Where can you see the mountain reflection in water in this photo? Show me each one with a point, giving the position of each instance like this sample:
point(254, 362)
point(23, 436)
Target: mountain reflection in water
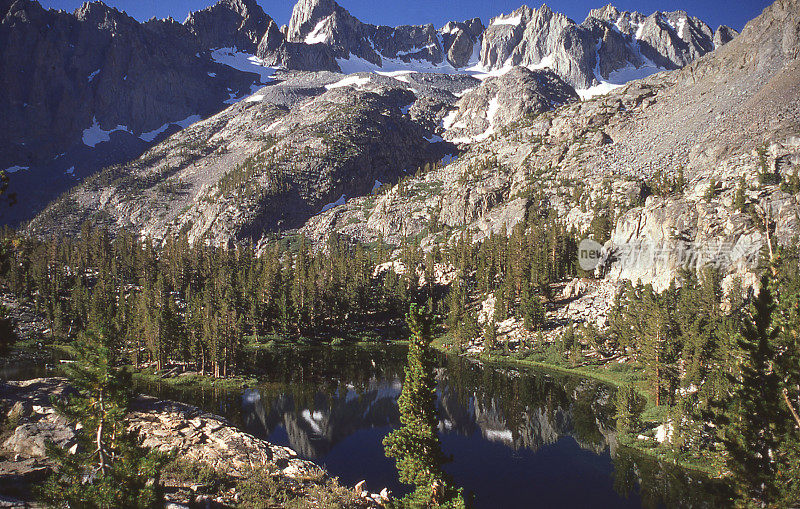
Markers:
point(517, 439)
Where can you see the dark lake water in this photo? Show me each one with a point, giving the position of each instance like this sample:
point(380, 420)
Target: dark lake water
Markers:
point(515, 438)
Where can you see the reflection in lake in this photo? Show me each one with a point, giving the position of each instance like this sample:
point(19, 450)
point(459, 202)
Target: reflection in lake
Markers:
point(516, 439)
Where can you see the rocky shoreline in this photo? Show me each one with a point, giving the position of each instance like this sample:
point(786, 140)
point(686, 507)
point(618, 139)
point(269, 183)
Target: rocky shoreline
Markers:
point(198, 438)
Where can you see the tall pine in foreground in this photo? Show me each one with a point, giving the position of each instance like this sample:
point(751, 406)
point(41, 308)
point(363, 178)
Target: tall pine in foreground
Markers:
point(758, 431)
point(415, 446)
point(109, 469)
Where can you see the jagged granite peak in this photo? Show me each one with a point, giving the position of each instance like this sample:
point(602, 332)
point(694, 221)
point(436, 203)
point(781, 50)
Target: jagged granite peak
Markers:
point(326, 22)
point(230, 23)
point(274, 50)
point(103, 16)
point(608, 40)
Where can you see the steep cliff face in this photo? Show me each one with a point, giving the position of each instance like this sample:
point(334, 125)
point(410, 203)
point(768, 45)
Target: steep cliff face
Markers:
point(98, 66)
point(229, 24)
point(81, 91)
point(326, 22)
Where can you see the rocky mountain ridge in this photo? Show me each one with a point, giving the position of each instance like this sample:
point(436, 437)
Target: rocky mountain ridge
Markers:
point(608, 46)
point(106, 87)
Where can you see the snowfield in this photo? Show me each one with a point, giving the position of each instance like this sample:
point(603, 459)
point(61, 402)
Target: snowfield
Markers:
point(243, 62)
point(356, 81)
point(507, 20)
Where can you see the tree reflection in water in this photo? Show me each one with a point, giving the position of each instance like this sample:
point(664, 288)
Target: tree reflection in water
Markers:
point(661, 484)
point(415, 446)
point(335, 404)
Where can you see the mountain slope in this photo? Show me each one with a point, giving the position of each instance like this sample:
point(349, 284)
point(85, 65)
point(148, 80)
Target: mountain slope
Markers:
point(732, 113)
point(297, 147)
point(84, 90)
point(97, 88)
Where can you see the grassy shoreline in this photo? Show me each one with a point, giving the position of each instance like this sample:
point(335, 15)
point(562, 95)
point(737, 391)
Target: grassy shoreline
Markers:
point(615, 379)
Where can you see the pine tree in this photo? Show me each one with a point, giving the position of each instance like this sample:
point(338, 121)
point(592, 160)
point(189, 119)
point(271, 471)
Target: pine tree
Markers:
point(109, 468)
point(751, 427)
point(533, 313)
point(490, 336)
point(740, 197)
point(415, 446)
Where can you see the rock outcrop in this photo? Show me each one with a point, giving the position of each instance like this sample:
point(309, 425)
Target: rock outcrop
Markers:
point(196, 436)
point(503, 100)
point(460, 40)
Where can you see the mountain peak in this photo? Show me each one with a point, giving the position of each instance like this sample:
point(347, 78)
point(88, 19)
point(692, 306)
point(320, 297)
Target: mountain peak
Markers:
point(98, 13)
point(229, 23)
point(307, 14)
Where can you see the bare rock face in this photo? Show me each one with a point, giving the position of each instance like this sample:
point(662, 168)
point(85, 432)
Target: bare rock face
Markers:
point(505, 99)
point(524, 37)
point(724, 35)
point(326, 22)
point(274, 50)
point(460, 41)
point(608, 40)
point(97, 63)
point(229, 24)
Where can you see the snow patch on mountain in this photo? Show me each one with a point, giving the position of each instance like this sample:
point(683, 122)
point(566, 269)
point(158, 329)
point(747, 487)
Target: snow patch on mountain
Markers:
point(186, 122)
point(356, 81)
point(449, 119)
point(397, 68)
point(244, 62)
point(514, 20)
point(319, 35)
point(95, 134)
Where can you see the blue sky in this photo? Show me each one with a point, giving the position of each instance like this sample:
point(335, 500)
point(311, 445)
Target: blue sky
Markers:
point(734, 13)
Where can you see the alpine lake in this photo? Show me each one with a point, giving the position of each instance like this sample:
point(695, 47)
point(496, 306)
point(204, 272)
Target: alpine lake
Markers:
point(513, 437)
